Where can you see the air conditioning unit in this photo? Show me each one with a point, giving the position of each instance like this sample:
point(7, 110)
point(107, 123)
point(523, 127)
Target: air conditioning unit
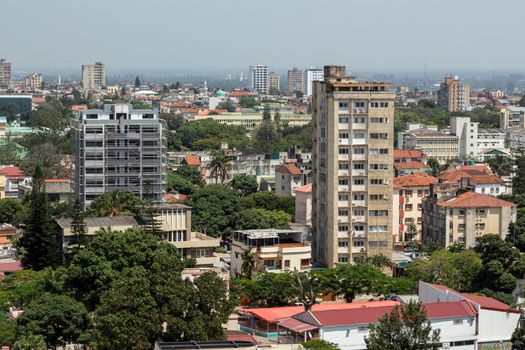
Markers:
point(363, 250)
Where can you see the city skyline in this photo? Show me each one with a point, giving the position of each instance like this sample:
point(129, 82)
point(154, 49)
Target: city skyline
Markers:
point(446, 38)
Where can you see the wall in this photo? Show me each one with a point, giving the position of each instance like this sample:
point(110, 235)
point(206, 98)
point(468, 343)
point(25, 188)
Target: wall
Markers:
point(496, 325)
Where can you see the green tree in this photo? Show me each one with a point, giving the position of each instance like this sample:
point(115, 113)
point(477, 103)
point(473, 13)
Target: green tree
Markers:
point(435, 167)
point(244, 184)
point(59, 319)
point(248, 219)
point(9, 209)
point(30, 342)
point(116, 203)
point(248, 263)
point(405, 328)
point(248, 102)
point(269, 289)
point(192, 174)
point(208, 134)
point(522, 101)
point(179, 183)
point(411, 232)
point(38, 246)
point(78, 226)
point(269, 201)
point(220, 165)
point(150, 212)
point(319, 344)
point(227, 105)
point(494, 277)
point(518, 181)
point(7, 331)
point(274, 218)
point(518, 339)
point(492, 247)
point(137, 82)
point(500, 165)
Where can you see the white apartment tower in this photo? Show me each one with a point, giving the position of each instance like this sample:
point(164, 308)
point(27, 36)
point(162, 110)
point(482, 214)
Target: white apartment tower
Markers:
point(93, 76)
point(118, 147)
point(352, 168)
point(259, 78)
point(310, 75)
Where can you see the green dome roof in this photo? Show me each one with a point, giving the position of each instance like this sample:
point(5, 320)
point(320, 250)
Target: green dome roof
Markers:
point(220, 93)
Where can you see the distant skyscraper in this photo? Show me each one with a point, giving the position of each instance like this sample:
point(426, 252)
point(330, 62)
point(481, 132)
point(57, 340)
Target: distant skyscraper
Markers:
point(118, 147)
point(454, 95)
point(274, 83)
point(310, 75)
point(5, 73)
point(259, 78)
point(352, 160)
point(93, 76)
point(295, 81)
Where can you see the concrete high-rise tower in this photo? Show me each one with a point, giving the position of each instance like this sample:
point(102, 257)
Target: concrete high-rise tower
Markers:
point(5, 73)
point(93, 76)
point(295, 81)
point(352, 168)
point(259, 78)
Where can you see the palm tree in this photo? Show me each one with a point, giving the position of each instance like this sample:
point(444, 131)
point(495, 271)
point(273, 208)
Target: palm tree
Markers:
point(116, 203)
point(248, 262)
point(219, 166)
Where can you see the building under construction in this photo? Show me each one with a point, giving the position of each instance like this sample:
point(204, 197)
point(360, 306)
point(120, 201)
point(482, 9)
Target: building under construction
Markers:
point(118, 147)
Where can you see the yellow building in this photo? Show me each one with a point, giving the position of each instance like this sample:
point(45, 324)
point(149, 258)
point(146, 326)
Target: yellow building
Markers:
point(250, 121)
point(352, 161)
point(433, 143)
point(460, 219)
point(454, 95)
point(2, 186)
point(34, 80)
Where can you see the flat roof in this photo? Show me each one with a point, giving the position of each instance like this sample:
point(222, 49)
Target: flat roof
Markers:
point(266, 233)
point(221, 344)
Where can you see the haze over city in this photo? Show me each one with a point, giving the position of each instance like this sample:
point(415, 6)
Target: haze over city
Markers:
point(209, 35)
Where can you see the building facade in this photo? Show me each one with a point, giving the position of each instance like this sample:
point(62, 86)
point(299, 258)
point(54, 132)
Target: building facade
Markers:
point(287, 178)
point(352, 166)
point(433, 143)
point(274, 83)
point(512, 117)
point(5, 73)
point(118, 147)
point(460, 219)
point(34, 80)
point(310, 75)
point(93, 76)
point(454, 95)
point(259, 78)
point(295, 81)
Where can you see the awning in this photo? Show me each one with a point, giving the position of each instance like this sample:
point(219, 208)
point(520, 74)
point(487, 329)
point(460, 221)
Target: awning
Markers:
point(296, 325)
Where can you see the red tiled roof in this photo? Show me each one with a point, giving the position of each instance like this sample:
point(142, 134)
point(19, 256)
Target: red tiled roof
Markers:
point(414, 180)
point(273, 314)
point(192, 160)
point(487, 179)
point(411, 165)
point(473, 199)
point(238, 93)
point(12, 171)
point(38, 99)
point(304, 189)
point(173, 198)
point(405, 153)
point(289, 169)
point(10, 266)
point(488, 303)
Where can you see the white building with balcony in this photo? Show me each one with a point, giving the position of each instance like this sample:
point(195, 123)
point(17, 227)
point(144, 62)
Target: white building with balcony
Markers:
point(274, 250)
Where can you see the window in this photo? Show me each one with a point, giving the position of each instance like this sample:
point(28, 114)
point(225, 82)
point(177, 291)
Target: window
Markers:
point(419, 207)
point(343, 259)
point(343, 182)
point(343, 197)
point(374, 104)
point(343, 135)
point(461, 212)
point(343, 150)
point(378, 228)
point(408, 193)
point(287, 263)
point(378, 166)
point(378, 212)
point(359, 120)
point(343, 166)
point(378, 244)
point(359, 135)
point(343, 120)
point(358, 197)
point(480, 211)
point(358, 243)
point(379, 136)
point(408, 207)
point(458, 322)
point(359, 181)
point(358, 212)
point(461, 227)
point(377, 151)
point(359, 166)
point(383, 104)
point(343, 228)
point(343, 212)
point(343, 244)
point(359, 150)
point(480, 226)
point(343, 105)
point(420, 193)
point(359, 227)
point(359, 104)
point(376, 181)
point(378, 197)
point(408, 221)
point(379, 120)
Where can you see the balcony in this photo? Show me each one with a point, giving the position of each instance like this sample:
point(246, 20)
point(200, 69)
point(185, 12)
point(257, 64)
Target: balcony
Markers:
point(344, 126)
point(344, 142)
point(360, 110)
point(94, 163)
point(343, 234)
point(359, 141)
point(343, 188)
point(343, 204)
point(343, 173)
point(358, 188)
point(207, 261)
point(342, 250)
point(343, 157)
point(358, 250)
point(359, 203)
point(358, 218)
point(92, 137)
point(359, 126)
point(358, 172)
point(359, 157)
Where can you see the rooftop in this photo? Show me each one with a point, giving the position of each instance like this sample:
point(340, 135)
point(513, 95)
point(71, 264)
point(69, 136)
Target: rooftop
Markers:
point(405, 153)
point(414, 180)
point(291, 169)
point(410, 165)
point(265, 233)
point(474, 200)
point(305, 189)
point(430, 133)
point(192, 160)
point(102, 221)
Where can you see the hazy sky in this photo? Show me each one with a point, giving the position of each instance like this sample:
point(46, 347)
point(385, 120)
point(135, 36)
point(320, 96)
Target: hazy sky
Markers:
point(201, 35)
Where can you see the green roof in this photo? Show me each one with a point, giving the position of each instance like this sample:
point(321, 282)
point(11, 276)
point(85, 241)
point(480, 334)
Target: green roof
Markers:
point(220, 93)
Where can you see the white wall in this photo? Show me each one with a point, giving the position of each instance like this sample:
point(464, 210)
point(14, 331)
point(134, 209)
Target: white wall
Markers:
point(496, 325)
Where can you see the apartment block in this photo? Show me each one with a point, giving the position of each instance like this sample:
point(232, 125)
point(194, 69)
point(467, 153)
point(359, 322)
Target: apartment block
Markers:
point(93, 76)
point(274, 83)
point(310, 75)
point(512, 117)
point(352, 166)
point(462, 218)
point(5, 73)
point(34, 81)
point(435, 144)
point(118, 147)
point(259, 78)
point(295, 81)
point(454, 95)
point(274, 250)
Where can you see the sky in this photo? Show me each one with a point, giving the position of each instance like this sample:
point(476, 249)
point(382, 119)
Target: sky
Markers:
point(215, 35)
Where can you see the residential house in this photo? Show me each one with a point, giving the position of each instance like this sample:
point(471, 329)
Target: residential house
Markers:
point(14, 176)
point(58, 190)
point(287, 178)
point(409, 161)
point(478, 178)
point(7, 233)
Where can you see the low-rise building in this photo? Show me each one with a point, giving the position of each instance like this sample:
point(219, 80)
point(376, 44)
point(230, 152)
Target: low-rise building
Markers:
point(58, 190)
point(287, 178)
point(303, 205)
point(512, 117)
point(2, 186)
point(14, 176)
point(478, 178)
point(516, 139)
point(273, 250)
point(409, 161)
point(409, 191)
point(433, 143)
point(460, 219)
point(7, 233)
point(491, 142)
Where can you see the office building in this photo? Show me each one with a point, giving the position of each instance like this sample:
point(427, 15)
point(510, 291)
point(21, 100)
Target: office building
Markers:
point(435, 144)
point(259, 78)
point(310, 75)
point(118, 147)
point(93, 76)
point(5, 73)
point(295, 81)
point(460, 219)
point(512, 117)
point(34, 81)
point(24, 103)
point(274, 83)
point(352, 168)
point(454, 95)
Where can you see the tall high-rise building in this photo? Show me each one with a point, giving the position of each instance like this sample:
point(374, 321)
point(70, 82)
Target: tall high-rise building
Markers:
point(454, 95)
point(352, 168)
point(34, 80)
point(259, 78)
point(274, 83)
point(295, 81)
point(310, 75)
point(118, 147)
point(93, 76)
point(5, 73)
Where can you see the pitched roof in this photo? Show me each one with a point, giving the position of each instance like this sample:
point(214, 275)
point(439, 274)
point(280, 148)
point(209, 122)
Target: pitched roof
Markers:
point(488, 303)
point(473, 199)
point(57, 180)
point(410, 165)
point(304, 189)
point(487, 179)
point(102, 221)
point(12, 171)
point(331, 318)
point(10, 266)
point(192, 160)
point(414, 180)
point(408, 153)
point(291, 169)
point(449, 309)
point(455, 175)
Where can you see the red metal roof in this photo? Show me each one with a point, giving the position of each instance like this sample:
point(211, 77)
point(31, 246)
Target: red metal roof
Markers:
point(449, 309)
point(296, 325)
point(362, 315)
point(10, 266)
point(241, 337)
point(488, 303)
